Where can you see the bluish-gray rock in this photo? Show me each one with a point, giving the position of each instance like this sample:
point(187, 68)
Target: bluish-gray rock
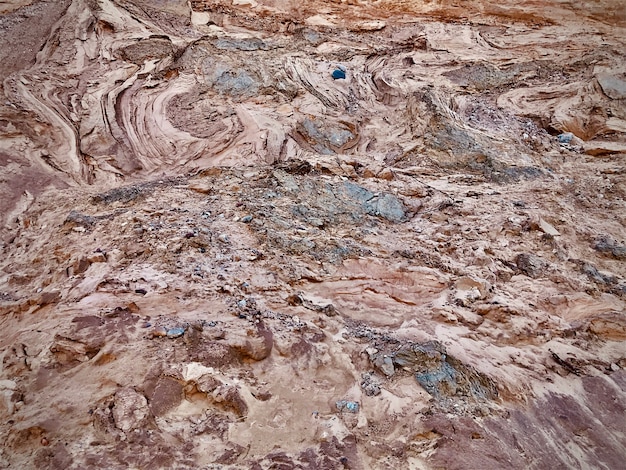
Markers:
point(386, 206)
point(175, 332)
point(324, 136)
point(442, 375)
point(612, 86)
point(347, 405)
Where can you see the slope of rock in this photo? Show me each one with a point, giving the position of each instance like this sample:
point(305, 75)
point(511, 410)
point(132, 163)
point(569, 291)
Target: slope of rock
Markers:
point(258, 234)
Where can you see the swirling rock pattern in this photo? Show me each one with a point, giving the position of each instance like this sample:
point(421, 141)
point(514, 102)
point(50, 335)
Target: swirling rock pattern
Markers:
point(219, 219)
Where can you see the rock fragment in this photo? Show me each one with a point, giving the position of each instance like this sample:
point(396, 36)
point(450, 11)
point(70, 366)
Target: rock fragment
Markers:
point(609, 246)
point(547, 228)
point(442, 375)
point(603, 147)
point(167, 394)
point(338, 74)
point(531, 265)
point(565, 138)
point(175, 332)
point(612, 86)
point(347, 406)
point(130, 409)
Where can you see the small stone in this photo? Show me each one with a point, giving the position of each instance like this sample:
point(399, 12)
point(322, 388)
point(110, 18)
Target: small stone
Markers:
point(374, 25)
point(368, 173)
point(547, 228)
point(159, 332)
point(8, 385)
point(614, 87)
point(338, 74)
point(130, 409)
point(246, 219)
point(385, 364)
point(565, 138)
point(47, 298)
point(531, 265)
point(347, 405)
point(386, 174)
point(201, 186)
point(609, 246)
point(175, 333)
point(98, 257)
point(615, 367)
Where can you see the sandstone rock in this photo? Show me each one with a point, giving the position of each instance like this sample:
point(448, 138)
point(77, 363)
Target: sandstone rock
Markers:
point(98, 257)
point(611, 325)
point(53, 457)
point(469, 289)
point(201, 186)
point(80, 266)
point(313, 302)
point(375, 25)
point(8, 398)
point(612, 86)
point(547, 228)
point(381, 203)
point(167, 394)
point(69, 352)
point(194, 370)
point(130, 409)
point(49, 297)
point(256, 345)
point(600, 148)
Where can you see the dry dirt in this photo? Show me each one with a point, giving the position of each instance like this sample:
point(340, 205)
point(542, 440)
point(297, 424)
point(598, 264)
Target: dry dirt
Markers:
point(267, 234)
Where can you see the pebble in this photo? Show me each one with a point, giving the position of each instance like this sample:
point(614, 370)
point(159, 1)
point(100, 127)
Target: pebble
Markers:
point(548, 228)
point(246, 219)
point(565, 138)
point(159, 332)
point(347, 405)
point(175, 332)
point(338, 74)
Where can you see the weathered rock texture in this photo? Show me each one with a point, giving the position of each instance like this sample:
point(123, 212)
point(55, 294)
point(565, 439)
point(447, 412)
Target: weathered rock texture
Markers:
point(211, 238)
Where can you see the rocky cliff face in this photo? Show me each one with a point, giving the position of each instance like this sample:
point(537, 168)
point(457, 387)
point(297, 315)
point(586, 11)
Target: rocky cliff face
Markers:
point(269, 234)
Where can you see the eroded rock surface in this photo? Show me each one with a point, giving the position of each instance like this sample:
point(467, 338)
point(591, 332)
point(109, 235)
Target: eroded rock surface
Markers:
point(258, 234)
